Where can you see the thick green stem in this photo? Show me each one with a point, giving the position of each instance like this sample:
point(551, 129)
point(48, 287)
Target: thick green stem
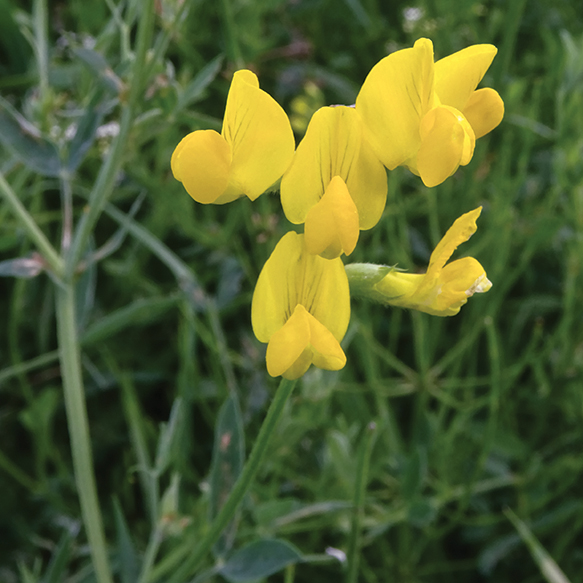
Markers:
point(224, 517)
point(79, 430)
point(38, 237)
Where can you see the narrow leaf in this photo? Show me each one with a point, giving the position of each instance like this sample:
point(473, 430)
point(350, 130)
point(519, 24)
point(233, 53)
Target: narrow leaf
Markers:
point(58, 564)
point(259, 560)
point(138, 313)
point(193, 92)
point(167, 439)
point(25, 141)
point(128, 559)
point(25, 267)
point(546, 564)
point(85, 133)
point(100, 67)
point(227, 463)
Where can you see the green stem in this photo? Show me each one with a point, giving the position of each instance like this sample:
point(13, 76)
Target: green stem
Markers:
point(224, 517)
point(78, 425)
point(15, 472)
point(152, 550)
point(40, 25)
point(233, 48)
point(134, 419)
point(358, 508)
point(105, 181)
point(38, 237)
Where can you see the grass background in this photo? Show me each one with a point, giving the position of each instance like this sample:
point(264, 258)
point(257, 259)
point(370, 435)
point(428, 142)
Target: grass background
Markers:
point(474, 414)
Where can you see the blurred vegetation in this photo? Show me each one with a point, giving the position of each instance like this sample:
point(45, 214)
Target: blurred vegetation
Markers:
point(474, 414)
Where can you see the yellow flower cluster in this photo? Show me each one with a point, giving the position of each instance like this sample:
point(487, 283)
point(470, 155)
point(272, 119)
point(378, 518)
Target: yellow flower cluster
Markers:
point(410, 111)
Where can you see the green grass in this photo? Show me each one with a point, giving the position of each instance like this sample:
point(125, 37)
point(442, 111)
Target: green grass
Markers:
point(478, 418)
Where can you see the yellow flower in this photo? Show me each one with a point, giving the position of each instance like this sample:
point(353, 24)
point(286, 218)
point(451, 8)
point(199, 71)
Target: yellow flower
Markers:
point(301, 308)
point(335, 184)
point(251, 153)
point(442, 291)
point(425, 115)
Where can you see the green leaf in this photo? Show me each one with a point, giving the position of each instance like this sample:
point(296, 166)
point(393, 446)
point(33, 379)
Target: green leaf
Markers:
point(25, 267)
point(193, 92)
point(259, 560)
point(25, 141)
point(58, 564)
point(227, 463)
point(85, 134)
point(415, 473)
point(39, 419)
point(167, 440)
point(15, 50)
point(100, 67)
point(277, 514)
point(229, 287)
point(128, 559)
point(546, 564)
point(421, 512)
point(138, 313)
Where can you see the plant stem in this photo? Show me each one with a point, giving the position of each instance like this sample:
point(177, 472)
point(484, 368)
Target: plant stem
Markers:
point(108, 172)
point(192, 562)
point(38, 237)
point(358, 508)
point(152, 550)
point(79, 429)
point(41, 48)
point(233, 48)
point(67, 210)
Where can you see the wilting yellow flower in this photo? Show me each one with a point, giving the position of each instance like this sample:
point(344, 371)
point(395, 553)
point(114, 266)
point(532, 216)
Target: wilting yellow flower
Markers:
point(425, 115)
point(252, 151)
point(335, 184)
point(442, 291)
point(301, 308)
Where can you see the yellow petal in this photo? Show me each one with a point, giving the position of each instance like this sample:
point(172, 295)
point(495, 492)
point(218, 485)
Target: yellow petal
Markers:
point(288, 343)
point(293, 276)
point(444, 288)
point(397, 287)
point(458, 75)
point(457, 282)
point(484, 111)
point(329, 148)
point(328, 353)
point(201, 161)
point(334, 146)
point(447, 140)
point(332, 224)
point(394, 97)
point(259, 133)
point(460, 232)
point(301, 341)
point(300, 366)
point(367, 184)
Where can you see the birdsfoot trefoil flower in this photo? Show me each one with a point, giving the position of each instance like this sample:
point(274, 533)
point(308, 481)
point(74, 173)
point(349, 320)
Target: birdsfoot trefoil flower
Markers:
point(442, 291)
point(425, 115)
point(252, 151)
point(301, 308)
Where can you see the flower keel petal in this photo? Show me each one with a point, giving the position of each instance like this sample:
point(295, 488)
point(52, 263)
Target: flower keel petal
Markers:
point(332, 225)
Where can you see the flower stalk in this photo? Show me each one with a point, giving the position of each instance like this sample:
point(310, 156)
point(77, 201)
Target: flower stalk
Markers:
point(78, 426)
point(225, 515)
